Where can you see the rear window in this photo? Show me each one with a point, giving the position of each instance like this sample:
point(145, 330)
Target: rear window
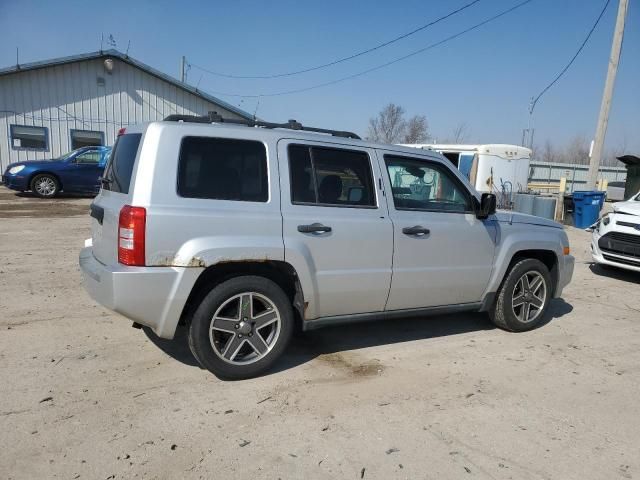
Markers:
point(223, 169)
point(330, 177)
point(120, 166)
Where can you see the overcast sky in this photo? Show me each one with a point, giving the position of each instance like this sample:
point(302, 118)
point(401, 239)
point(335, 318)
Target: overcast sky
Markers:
point(484, 78)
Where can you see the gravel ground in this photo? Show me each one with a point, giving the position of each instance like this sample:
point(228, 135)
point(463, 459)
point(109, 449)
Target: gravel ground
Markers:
point(86, 396)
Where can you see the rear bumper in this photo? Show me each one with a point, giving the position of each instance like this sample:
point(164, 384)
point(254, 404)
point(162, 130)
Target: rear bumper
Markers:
point(613, 259)
point(151, 296)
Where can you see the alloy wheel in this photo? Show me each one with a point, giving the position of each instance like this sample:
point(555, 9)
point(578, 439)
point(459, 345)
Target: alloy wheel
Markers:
point(528, 296)
point(245, 328)
point(45, 186)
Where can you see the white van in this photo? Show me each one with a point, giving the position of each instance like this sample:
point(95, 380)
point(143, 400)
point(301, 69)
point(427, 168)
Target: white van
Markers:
point(493, 167)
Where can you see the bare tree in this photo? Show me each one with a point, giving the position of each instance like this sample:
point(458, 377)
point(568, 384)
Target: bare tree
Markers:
point(460, 133)
point(548, 153)
point(416, 130)
point(577, 151)
point(535, 152)
point(611, 157)
point(389, 126)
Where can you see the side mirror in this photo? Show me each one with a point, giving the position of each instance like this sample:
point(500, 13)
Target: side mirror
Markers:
point(488, 204)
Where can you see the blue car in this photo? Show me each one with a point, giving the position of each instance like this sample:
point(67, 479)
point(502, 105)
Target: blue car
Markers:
point(76, 172)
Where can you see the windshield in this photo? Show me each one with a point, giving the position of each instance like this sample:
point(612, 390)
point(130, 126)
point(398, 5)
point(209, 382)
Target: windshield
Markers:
point(67, 155)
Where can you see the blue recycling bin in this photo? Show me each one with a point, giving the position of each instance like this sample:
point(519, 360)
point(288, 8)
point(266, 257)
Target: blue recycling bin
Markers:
point(587, 205)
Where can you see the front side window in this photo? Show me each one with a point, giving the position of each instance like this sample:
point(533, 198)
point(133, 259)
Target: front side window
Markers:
point(92, 157)
point(421, 185)
point(223, 169)
point(330, 177)
point(86, 138)
point(34, 138)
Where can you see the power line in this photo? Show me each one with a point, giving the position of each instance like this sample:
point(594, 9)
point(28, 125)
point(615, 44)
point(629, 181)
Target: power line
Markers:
point(343, 59)
point(364, 72)
point(563, 71)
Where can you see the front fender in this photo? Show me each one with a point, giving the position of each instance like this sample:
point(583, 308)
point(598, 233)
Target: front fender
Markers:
point(514, 238)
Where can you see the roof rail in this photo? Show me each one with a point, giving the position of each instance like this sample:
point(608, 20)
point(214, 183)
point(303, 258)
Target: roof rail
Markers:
point(214, 117)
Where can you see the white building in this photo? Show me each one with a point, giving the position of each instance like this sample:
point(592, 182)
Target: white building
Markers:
point(52, 107)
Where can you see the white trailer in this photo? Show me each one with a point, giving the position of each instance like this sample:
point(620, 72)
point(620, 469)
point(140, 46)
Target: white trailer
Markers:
point(490, 168)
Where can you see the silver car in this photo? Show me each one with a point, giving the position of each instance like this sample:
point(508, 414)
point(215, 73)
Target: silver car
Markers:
point(246, 232)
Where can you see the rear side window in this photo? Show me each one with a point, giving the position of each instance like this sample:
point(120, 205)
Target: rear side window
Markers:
point(117, 175)
point(330, 177)
point(223, 169)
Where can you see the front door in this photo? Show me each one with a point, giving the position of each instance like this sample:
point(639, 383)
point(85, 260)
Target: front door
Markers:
point(336, 226)
point(83, 172)
point(443, 255)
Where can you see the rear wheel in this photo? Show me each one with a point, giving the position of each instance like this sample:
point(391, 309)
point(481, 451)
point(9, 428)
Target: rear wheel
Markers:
point(45, 186)
point(241, 327)
point(524, 296)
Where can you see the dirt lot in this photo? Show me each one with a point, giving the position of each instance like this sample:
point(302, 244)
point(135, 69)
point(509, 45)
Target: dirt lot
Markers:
point(86, 396)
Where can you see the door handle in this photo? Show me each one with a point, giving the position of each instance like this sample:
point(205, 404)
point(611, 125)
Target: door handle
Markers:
point(314, 228)
point(417, 230)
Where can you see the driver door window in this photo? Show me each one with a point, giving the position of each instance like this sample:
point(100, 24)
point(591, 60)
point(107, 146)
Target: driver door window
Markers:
point(91, 157)
point(425, 186)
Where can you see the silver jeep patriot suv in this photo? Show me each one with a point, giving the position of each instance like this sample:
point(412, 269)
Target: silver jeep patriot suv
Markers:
point(244, 232)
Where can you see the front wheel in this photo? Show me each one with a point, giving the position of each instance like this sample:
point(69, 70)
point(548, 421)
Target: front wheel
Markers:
point(44, 185)
point(524, 296)
point(241, 327)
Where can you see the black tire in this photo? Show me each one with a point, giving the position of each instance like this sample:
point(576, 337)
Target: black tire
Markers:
point(223, 294)
point(504, 315)
point(44, 185)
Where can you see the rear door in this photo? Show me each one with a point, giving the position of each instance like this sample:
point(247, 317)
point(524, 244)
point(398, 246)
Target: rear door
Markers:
point(335, 225)
point(115, 193)
point(443, 254)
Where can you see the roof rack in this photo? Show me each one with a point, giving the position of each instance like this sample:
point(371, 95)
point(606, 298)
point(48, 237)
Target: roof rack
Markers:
point(214, 117)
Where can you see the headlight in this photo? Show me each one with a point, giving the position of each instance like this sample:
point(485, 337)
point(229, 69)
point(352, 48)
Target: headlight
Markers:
point(16, 169)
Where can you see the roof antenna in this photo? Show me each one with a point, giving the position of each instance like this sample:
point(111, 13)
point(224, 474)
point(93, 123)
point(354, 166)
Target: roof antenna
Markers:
point(126, 54)
point(101, 41)
point(17, 60)
point(255, 112)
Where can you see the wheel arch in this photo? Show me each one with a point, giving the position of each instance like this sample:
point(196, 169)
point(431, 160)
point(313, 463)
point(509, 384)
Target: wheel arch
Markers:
point(280, 272)
point(45, 172)
point(548, 257)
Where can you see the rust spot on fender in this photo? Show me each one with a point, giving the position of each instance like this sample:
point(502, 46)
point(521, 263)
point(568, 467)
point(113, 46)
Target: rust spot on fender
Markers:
point(196, 262)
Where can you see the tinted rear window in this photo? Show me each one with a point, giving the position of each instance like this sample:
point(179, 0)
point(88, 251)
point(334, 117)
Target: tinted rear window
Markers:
point(223, 169)
point(120, 166)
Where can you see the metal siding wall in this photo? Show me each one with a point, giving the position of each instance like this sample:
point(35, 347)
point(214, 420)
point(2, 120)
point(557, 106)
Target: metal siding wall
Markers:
point(576, 174)
point(66, 97)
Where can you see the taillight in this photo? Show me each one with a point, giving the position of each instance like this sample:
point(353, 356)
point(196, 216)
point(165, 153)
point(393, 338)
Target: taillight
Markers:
point(131, 229)
point(122, 131)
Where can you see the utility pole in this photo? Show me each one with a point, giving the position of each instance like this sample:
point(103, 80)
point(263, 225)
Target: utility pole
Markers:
point(527, 133)
point(605, 106)
point(183, 64)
